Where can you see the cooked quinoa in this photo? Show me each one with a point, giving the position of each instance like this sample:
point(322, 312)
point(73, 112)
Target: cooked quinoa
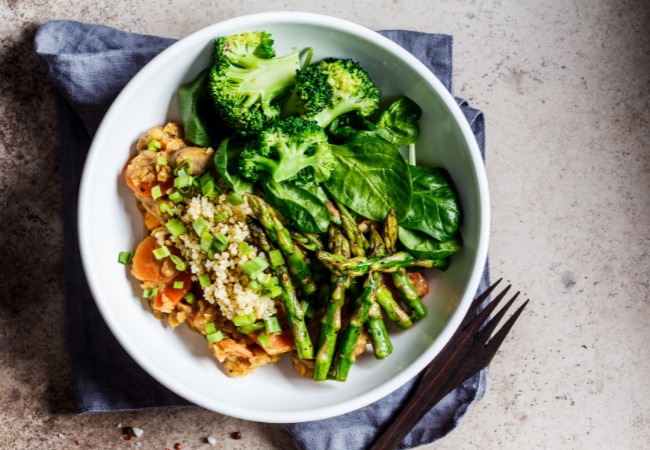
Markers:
point(229, 283)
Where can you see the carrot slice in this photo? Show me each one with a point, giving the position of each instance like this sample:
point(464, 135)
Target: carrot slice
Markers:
point(170, 295)
point(279, 343)
point(145, 266)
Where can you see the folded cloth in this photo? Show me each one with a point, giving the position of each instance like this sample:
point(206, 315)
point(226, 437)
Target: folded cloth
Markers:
point(88, 66)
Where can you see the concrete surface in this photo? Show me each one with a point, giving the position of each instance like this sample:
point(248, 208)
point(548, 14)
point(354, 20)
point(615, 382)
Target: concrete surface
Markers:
point(565, 88)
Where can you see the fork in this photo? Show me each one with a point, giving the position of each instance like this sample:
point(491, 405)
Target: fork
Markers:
point(468, 351)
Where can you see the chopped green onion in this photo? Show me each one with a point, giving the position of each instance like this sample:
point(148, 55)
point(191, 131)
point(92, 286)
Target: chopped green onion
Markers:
point(176, 197)
point(161, 252)
point(244, 248)
point(210, 328)
point(254, 285)
point(125, 257)
point(251, 328)
point(156, 192)
point(176, 227)
point(178, 262)
point(200, 225)
point(164, 207)
point(254, 267)
point(183, 182)
point(274, 291)
point(264, 340)
point(275, 256)
point(264, 279)
point(235, 199)
point(208, 189)
point(204, 280)
point(190, 298)
point(272, 325)
point(178, 284)
point(162, 161)
point(180, 169)
point(244, 320)
point(150, 293)
point(221, 216)
point(220, 241)
point(154, 145)
point(214, 337)
point(206, 241)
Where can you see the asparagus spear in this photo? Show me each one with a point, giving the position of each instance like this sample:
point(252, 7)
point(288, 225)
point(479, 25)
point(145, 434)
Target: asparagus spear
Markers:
point(406, 290)
point(331, 322)
point(400, 278)
point(290, 303)
point(361, 265)
point(381, 343)
point(345, 357)
point(279, 235)
point(392, 309)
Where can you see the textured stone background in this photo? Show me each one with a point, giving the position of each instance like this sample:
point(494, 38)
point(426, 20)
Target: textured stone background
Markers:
point(565, 87)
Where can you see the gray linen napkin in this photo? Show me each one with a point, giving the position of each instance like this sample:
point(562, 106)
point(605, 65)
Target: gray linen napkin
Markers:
point(88, 66)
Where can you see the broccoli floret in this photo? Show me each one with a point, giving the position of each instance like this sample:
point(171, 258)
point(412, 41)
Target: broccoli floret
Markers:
point(330, 88)
point(246, 78)
point(288, 149)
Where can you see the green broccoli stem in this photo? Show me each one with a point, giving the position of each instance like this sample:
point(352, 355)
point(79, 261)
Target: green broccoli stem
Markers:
point(281, 237)
point(411, 299)
point(331, 321)
point(291, 305)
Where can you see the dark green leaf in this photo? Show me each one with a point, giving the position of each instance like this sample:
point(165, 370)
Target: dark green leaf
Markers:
point(399, 123)
point(225, 161)
point(301, 205)
point(370, 177)
point(435, 209)
point(423, 246)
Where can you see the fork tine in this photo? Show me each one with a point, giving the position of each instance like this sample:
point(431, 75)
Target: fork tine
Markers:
point(491, 324)
point(477, 302)
point(474, 323)
point(495, 342)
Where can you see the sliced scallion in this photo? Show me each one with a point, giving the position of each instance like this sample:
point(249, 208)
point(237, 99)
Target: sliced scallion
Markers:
point(161, 252)
point(204, 280)
point(200, 225)
point(165, 208)
point(251, 328)
point(214, 337)
point(235, 199)
point(275, 256)
point(190, 298)
point(176, 227)
point(220, 241)
point(176, 197)
point(253, 267)
point(223, 215)
point(178, 262)
point(263, 340)
point(178, 284)
point(244, 248)
point(156, 192)
point(125, 257)
point(244, 320)
point(154, 145)
point(210, 327)
point(272, 325)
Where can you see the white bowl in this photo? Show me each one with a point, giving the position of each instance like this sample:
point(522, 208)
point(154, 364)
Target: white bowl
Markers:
point(180, 359)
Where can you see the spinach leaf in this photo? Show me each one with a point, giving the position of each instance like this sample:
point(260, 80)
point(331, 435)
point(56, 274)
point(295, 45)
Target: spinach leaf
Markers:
point(302, 205)
point(398, 124)
point(424, 246)
point(225, 161)
point(203, 125)
point(435, 208)
point(370, 177)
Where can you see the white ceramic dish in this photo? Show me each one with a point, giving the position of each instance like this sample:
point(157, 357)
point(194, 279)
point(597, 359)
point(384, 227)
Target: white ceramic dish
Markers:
point(180, 359)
